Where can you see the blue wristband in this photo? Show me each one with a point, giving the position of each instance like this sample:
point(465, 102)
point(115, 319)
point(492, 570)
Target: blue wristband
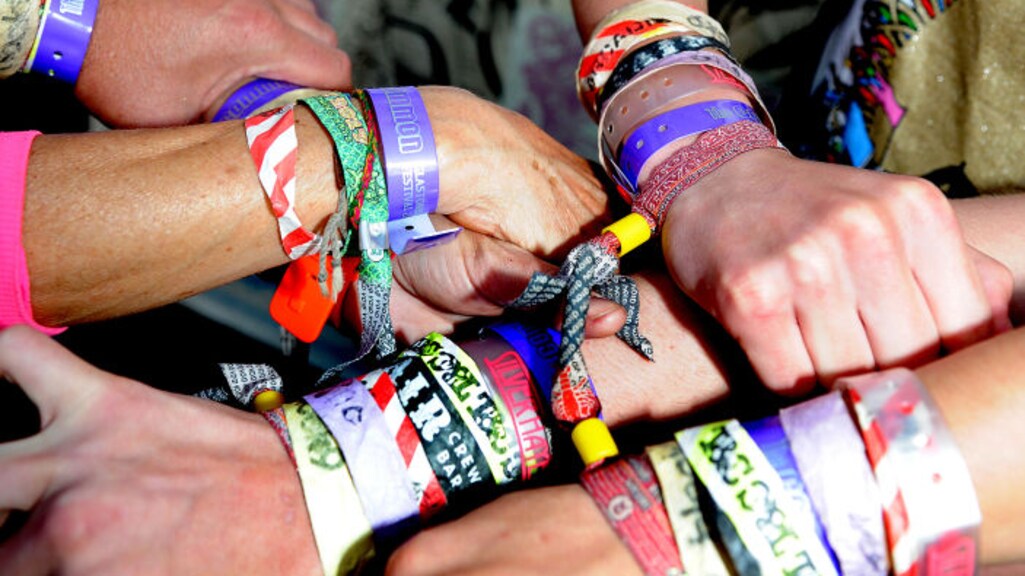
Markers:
point(251, 96)
point(65, 29)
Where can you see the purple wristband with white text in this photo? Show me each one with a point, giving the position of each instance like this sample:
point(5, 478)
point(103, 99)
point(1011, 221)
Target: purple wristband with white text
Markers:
point(65, 29)
point(250, 97)
point(410, 168)
point(670, 126)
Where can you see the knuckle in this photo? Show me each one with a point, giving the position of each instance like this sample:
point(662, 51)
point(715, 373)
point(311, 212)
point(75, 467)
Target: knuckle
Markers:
point(924, 201)
point(810, 266)
point(750, 295)
point(861, 223)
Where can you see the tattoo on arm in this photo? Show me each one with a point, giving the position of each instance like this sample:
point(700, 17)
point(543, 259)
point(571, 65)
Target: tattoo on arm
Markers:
point(18, 21)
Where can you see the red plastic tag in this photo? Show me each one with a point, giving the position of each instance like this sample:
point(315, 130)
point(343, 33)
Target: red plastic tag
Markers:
point(298, 304)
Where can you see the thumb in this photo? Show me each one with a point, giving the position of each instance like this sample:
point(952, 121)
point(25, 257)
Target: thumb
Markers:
point(998, 287)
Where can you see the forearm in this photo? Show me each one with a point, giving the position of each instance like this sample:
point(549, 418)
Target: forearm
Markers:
point(118, 222)
point(19, 20)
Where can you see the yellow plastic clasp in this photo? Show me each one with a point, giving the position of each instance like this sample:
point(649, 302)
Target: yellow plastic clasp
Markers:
point(268, 400)
point(594, 441)
point(632, 230)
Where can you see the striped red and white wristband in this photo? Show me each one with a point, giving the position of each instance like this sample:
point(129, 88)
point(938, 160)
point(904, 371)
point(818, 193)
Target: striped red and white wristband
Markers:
point(274, 147)
point(930, 509)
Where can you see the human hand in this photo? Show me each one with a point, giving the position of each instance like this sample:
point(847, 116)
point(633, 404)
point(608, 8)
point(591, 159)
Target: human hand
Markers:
point(556, 530)
point(125, 479)
point(820, 271)
point(169, 62)
point(521, 196)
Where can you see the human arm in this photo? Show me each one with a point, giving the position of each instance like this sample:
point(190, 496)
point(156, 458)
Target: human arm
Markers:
point(158, 215)
point(819, 270)
point(979, 390)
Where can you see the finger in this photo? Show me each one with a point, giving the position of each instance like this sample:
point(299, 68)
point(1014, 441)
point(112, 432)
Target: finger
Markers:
point(998, 285)
point(301, 60)
point(26, 473)
point(604, 318)
point(758, 310)
point(28, 551)
point(305, 19)
point(827, 312)
point(947, 278)
point(307, 5)
point(50, 375)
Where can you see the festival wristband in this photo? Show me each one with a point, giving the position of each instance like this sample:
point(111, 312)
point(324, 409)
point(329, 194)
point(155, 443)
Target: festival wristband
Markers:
point(256, 96)
point(680, 495)
point(375, 463)
point(340, 529)
point(410, 168)
point(509, 378)
point(274, 147)
point(452, 451)
point(830, 456)
point(65, 28)
point(423, 481)
point(932, 516)
point(746, 487)
point(464, 385)
point(767, 433)
point(625, 28)
point(677, 124)
point(690, 164)
point(648, 54)
point(626, 491)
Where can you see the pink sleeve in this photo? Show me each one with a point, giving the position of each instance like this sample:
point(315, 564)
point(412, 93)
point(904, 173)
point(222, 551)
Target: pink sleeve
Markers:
point(15, 300)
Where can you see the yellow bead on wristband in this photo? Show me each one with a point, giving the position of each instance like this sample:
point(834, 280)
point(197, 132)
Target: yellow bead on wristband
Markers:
point(268, 400)
point(594, 441)
point(631, 230)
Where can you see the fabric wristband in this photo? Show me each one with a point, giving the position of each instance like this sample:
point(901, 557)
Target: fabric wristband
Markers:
point(748, 490)
point(423, 481)
point(63, 38)
point(674, 125)
point(377, 468)
point(274, 147)
point(770, 438)
point(15, 288)
point(453, 453)
point(680, 494)
point(627, 493)
point(461, 380)
point(252, 97)
point(830, 456)
point(340, 529)
point(410, 168)
point(929, 506)
point(509, 378)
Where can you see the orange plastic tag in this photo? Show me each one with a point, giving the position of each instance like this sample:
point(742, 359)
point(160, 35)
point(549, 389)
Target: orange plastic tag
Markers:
point(298, 304)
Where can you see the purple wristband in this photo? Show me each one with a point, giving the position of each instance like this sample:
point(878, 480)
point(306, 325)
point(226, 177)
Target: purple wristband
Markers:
point(410, 168)
point(666, 128)
point(64, 33)
point(251, 97)
point(377, 467)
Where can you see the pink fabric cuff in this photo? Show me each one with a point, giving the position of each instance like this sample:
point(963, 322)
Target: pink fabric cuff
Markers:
point(15, 299)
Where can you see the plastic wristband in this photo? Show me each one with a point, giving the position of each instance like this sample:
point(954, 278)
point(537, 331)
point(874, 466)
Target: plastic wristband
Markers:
point(648, 54)
point(768, 434)
point(680, 494)
point(666, 128)
point(830, 456)
point(509, 378)
point(340, 529)
point(63, 38)
point(929, 506)
point(375, 463)
point(626, 491)
point(422, 479)
point(461, 380)
point(253, 97)
point(410, 168)
point(747, 488)
point(454, 455)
